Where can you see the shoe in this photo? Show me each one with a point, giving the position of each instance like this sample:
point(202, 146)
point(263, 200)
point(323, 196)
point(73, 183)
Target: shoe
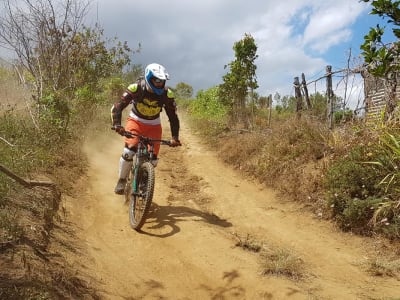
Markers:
point(120, 187)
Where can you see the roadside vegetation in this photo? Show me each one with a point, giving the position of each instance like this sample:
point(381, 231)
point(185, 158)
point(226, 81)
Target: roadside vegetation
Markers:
point(349, 175)
point(52, 95)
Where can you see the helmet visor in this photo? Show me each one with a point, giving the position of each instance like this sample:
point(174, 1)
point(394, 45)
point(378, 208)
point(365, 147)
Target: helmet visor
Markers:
point(157, 81)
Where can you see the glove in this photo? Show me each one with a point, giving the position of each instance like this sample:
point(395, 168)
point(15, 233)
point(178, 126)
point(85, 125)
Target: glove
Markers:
point(175, 143)
point(119, 129)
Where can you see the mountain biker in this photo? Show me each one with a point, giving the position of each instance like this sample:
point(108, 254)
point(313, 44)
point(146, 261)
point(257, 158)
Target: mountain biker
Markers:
point(148, 96)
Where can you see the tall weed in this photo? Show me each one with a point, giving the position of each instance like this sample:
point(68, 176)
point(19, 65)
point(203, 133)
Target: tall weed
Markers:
point(363, 187)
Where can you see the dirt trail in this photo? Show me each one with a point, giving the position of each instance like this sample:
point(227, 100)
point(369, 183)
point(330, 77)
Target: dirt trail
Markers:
point(187, 248)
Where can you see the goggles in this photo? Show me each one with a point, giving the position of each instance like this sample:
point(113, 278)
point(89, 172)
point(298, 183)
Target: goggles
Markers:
point(157, 80)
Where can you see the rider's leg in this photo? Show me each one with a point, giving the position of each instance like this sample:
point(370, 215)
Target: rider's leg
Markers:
point(125, 164)
point(154, 132)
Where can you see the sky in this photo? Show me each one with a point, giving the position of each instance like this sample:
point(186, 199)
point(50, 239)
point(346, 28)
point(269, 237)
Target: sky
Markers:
point(194, 39)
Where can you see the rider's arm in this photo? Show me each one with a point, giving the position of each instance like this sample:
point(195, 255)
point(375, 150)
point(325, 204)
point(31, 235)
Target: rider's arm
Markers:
point(170, 109)
point(119, 106)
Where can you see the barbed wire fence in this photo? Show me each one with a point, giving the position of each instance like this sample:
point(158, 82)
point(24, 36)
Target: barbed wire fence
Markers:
point(347, 81)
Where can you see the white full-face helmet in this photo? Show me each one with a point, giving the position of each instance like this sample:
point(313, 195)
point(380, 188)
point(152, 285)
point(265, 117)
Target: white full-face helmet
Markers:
point(154, 72)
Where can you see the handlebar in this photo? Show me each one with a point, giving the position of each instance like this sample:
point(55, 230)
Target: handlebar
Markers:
point(143, 138)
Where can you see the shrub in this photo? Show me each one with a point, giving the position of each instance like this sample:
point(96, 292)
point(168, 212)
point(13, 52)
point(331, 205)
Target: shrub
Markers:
point(349, 177)
point(208, 112)
point(357, 214)
point(363, 188)
point(343, 116)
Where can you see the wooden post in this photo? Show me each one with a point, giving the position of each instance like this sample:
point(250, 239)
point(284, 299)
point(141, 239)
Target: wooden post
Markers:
point(329, 95)
point(270, 110)
point(297, 93)
point(26, 183)
point(304, 85)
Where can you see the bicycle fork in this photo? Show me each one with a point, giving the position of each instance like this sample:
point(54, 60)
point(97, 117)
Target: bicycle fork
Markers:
point(135, 175)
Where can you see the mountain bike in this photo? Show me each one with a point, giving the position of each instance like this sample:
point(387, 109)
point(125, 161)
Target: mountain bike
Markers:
point(139, 187)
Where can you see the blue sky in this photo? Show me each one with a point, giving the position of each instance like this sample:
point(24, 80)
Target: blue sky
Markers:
point(194, 40)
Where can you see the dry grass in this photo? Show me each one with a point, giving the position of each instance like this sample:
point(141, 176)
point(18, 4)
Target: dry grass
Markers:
point(282, 262)
point(248, 243)
point(30, 217)
point(290, 157)
point(382, 266)
point(274, 260)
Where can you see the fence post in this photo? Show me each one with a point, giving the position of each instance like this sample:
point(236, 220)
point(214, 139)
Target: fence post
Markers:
point(26, 183)
point(270, 110)
point(329, 94)
point(304, 85)
point(297, 93)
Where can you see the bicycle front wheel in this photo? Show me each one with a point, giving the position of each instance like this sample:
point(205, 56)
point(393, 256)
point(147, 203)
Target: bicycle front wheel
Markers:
point(140, 201)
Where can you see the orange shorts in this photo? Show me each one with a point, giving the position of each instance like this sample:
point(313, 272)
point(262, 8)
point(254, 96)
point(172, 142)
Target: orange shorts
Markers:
point(151, 131)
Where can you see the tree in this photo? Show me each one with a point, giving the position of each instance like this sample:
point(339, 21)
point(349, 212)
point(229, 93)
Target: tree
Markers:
point(62, 57)
point(183, 91)
point(263, 102)
point(134, 72)
point(240, 82)
point(382, 58)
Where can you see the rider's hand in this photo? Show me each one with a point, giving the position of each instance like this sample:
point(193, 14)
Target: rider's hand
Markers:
point(119, 129)
point(175, 142)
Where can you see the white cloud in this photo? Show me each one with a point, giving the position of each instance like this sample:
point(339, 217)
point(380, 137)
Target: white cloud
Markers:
point(194, 39)
point(329, 25)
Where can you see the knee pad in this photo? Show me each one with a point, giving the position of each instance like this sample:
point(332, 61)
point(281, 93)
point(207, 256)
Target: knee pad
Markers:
point(128, 154)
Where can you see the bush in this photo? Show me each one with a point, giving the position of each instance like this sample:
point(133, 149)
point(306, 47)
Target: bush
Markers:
point(349, 177)
point(343, 116)
point(362, 188)
point(208, 113)
point(357, 214)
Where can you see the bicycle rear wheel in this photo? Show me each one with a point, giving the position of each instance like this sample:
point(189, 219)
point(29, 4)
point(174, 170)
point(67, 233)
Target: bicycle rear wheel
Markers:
point(140, 202)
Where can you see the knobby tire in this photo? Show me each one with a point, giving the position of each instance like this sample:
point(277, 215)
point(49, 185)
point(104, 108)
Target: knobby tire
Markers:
point(140, 202)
